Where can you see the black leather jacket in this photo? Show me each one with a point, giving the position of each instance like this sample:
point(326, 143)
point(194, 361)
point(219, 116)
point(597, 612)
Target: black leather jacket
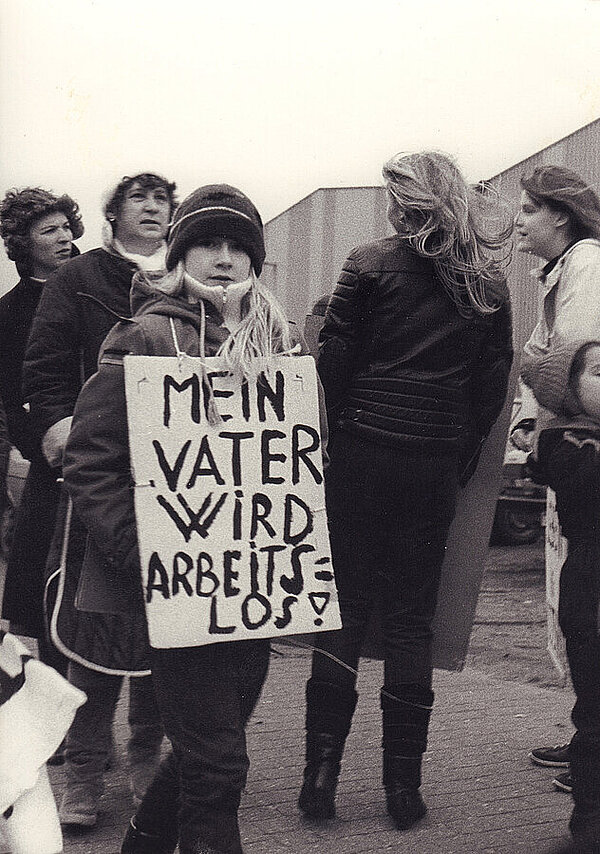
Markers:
point(400, 365)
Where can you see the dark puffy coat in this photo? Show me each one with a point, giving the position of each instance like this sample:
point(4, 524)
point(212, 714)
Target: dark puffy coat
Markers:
point(79, 305)
point(17, 309)
point(400, 365)
point(24, 583)
point(97, 463)
point(568, 460)
point(4, 452)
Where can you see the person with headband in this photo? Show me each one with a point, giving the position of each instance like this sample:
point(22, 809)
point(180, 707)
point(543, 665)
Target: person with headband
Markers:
point(211, 302)
point(79, 305)
point(414, 357)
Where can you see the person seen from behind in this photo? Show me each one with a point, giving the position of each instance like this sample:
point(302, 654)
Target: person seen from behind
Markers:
point(414, 358)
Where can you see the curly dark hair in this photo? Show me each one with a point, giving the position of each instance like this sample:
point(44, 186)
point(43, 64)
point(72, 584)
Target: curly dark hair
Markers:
point(20, 209)
point(147, 181)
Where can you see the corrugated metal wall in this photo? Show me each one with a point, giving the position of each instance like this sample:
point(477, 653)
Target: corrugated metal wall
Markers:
point(581, 152)
point(307, 244)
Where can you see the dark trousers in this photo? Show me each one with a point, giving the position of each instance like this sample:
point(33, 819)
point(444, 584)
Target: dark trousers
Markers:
point(206, 695)
point(389, 512)
point(90, 736)
point(24, 587)
point(578, 617)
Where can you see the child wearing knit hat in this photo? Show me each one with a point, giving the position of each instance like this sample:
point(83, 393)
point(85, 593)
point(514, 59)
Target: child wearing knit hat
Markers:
point(210, 302)
point(568, 460)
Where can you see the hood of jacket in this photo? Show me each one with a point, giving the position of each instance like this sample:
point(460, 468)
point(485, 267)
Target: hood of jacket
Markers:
point(146, 298)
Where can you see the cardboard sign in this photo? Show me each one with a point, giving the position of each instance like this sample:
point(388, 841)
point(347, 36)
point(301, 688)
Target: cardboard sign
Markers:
point(556, 550)
point(231, 518)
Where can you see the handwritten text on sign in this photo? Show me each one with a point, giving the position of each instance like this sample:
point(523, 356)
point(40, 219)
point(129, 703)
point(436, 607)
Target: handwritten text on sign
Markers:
point(231, 518)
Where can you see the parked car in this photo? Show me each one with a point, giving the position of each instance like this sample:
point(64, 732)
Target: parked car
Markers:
point(521, 506)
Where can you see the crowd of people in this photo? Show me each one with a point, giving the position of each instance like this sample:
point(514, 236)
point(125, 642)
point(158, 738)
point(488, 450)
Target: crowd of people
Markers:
point(414, 359)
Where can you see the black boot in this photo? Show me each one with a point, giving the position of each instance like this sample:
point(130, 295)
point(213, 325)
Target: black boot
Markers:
point(329, 710)
point(406, 712)
point(138, 842)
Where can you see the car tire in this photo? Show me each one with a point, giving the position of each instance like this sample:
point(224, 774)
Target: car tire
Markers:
point(513, 527)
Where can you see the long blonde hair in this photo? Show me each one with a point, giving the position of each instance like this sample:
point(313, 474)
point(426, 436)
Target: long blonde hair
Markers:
point(263, 332)
point(463, 229)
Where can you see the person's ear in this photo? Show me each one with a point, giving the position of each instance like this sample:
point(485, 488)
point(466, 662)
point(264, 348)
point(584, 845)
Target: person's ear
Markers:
point(562, 220)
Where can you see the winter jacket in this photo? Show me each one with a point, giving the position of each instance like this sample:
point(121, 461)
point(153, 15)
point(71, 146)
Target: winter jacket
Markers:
point(570, 313)
point(96, 463)
point(24, 582)
point(80, 303)
point(568, 460)
point(17, 309)
point(4, 454)
point(400, 365)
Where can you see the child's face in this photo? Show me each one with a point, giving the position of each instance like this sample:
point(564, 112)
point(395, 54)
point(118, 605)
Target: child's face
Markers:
point(218, 261)
point(588, 386)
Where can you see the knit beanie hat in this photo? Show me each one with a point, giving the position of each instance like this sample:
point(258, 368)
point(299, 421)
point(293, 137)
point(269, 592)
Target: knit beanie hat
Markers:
point(216, 210)
point(551, 377)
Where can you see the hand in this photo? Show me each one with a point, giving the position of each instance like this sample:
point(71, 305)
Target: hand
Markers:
point(54, 441)
point(522, 439)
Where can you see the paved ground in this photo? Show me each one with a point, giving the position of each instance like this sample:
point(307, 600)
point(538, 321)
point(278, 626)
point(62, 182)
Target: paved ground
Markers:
point(483, 793)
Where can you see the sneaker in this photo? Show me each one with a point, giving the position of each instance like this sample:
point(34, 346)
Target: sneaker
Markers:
point(563, 782)
point(552, 757)
point(79, 805)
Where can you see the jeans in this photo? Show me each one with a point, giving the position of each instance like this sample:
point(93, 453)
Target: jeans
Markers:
point(206, 695)
point(389, 512)
point(578, 619)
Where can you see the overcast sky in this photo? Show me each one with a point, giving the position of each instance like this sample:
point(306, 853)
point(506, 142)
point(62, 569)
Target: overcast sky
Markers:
point(282, 98)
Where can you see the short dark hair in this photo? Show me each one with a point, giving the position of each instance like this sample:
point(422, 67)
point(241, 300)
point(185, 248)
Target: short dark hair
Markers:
point(20, 209)
point(566, 191)
point(147, 181)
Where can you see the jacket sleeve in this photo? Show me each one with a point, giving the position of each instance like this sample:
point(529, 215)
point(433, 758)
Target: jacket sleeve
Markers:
point(489, 385)
point(298, 340)
point(52, 371)
point(576, 315)
point(96, 465)
point(342, 333)
point(490, 380)
point(572, 466)
point(4, 454)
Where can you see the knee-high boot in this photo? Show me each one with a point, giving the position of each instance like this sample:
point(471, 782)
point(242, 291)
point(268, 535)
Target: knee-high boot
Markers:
point(406, 711)
point(329, 711)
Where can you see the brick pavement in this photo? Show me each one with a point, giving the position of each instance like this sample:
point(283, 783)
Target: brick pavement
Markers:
point(483, 793)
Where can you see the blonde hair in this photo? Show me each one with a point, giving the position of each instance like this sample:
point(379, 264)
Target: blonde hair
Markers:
point(263, 332)
point(462, 229)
